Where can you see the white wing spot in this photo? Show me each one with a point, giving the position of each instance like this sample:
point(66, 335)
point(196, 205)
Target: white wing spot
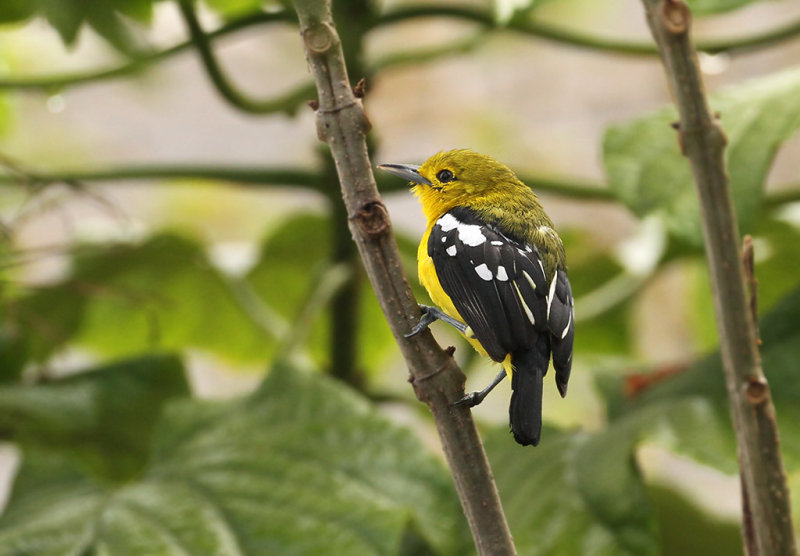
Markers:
point(501, 274)
point(525, 307)
point(544, 274)
point(528, 249)
point(451, 250)
point(566, 328)
point(471, 234)
point(497, 243)
point(552, 293)
point(444, 239)
point(448, 222)
point(484, 272)
point(529, 279)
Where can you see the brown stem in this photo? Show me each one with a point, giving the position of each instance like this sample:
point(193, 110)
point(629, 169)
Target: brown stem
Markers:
point(437, 380)
point(703, 143)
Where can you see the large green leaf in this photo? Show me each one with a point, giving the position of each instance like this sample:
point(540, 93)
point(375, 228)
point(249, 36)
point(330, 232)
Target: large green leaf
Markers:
point(12, 11)
point(128, 299)
point(689, 530)
point(591, 268)
point(302, 466)
point(104, 16)
point(164, 294)
point(689, 412)
point(293, 259)
point(103, 418)
point(648, 173)
point(575, 494)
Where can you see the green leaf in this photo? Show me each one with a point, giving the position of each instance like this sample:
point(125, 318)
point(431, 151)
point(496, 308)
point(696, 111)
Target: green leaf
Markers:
point(689, 530)
point(576, 493)
point(34, 326)
point(104, 16)
point(104, 417)
point(233, 8)
point(303, 466)
point(647, 172)
point(13, 11)
point(292, 260)
point(292, 257)
point(590, 268)
point(689, 411)
point(169, 296)
point(128, 299)
point(777, 247)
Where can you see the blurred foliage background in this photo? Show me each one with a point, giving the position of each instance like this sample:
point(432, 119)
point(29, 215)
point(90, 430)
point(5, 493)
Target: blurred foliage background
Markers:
point(192, 362)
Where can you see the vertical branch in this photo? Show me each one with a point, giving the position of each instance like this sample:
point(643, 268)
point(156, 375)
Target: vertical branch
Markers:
point(437, 381)
point(353, 19)
point(345, 304)
point(703, 143)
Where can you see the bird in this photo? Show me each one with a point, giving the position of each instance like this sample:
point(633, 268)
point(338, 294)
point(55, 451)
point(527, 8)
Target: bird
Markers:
point(495, 268)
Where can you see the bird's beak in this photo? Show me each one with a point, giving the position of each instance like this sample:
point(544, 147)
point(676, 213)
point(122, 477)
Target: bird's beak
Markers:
point(405, 171)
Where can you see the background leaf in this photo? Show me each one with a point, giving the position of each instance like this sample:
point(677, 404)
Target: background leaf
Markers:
point(689, 412)
point(285, 287)
point(302, 466)
point(576, 493)
point(103, 418)
point(647, 172)
point(128, 299)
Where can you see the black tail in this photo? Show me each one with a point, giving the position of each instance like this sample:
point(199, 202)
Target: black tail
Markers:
point(530, 366)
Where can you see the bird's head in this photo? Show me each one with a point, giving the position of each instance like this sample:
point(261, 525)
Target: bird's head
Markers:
point(457, 178)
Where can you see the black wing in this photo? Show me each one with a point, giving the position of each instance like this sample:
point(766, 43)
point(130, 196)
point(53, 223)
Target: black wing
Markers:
point(499, 287)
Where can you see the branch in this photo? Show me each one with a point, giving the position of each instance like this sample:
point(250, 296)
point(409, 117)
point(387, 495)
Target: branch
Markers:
point(573, 188)
point(703, 143)
point(221, 83)
point(437, 381)
point(253, 176)
point(58, 82)
point(582, 40)
point(562, 186)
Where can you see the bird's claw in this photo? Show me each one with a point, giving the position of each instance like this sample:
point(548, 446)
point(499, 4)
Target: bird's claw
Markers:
point(470, 400)
point(424, 322)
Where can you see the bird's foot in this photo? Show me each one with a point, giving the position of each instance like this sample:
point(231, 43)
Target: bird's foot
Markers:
point(474, 398)
point(470, 400)
point(432, 314)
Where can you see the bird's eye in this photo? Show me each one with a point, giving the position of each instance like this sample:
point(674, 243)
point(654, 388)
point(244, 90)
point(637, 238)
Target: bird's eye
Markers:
point(445, 176)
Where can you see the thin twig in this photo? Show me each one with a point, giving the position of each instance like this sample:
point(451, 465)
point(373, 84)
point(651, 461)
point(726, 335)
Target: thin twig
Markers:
point(222, 84)
point(243, 175)
point(263, 176)
point(703, 143)
point(583, 40)
point(437, 380)
point(58, 82)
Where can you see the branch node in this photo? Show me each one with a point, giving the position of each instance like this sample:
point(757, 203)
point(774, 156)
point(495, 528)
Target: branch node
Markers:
point(373, 219)
point(319, 37)
point(361, 88)
point(314, 104)
point(450, 350)
point(757, 390)
point(676, 16)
